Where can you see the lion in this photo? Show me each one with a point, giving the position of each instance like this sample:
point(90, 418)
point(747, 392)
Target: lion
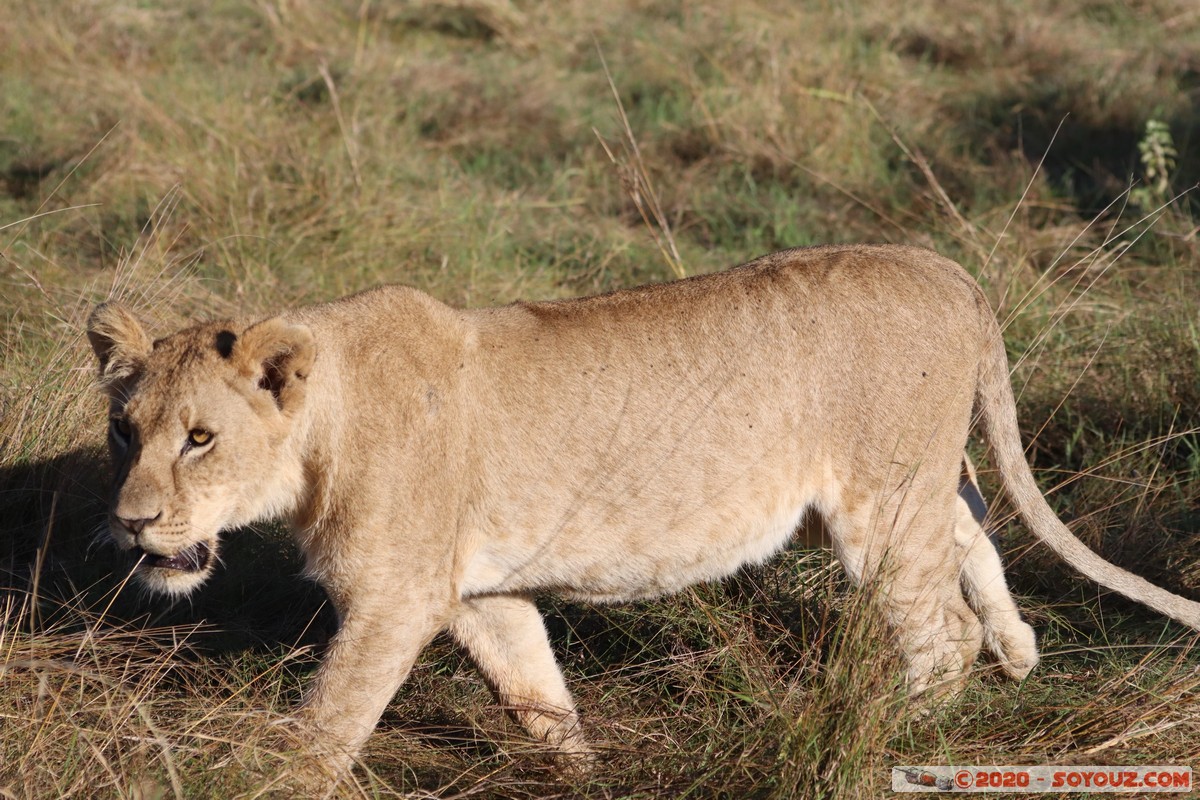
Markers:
point(442, 467)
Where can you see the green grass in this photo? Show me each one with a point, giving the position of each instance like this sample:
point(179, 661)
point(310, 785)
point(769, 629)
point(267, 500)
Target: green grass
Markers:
point(203, 159)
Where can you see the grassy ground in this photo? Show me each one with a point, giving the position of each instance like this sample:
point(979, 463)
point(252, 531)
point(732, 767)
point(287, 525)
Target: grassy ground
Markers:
point(204, 158)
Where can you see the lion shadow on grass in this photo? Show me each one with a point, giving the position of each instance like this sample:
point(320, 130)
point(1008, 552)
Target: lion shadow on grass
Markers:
point(57, 564)
point(60, 576)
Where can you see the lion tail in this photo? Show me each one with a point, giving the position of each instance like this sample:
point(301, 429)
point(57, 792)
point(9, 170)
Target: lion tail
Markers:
point(997, 409)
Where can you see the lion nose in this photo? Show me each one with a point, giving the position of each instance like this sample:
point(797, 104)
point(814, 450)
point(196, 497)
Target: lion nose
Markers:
point(136, 525)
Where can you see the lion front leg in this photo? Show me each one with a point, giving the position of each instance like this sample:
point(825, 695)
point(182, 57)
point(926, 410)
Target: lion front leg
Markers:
point(374, 650)
point(506, 639)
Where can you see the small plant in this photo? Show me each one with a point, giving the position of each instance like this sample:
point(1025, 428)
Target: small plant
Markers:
point(1158, 154)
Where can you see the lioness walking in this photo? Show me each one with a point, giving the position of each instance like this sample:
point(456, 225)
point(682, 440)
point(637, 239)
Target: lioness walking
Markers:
point(440, 467)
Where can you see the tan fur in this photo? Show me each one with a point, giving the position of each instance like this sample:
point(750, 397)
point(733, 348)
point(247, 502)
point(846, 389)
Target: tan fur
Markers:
point(440, 467)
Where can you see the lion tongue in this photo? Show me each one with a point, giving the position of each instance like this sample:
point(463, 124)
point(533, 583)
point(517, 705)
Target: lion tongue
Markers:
point(192, 559)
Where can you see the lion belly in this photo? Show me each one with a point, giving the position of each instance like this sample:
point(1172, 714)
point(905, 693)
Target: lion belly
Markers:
point(618, 563)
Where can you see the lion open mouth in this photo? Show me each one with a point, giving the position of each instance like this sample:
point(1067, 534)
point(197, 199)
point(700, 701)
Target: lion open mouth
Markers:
point(191, 559)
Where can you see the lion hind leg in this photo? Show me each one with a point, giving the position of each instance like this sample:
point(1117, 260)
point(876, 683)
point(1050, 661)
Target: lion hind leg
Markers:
point(906, 550)
point(1005, 634)
point(506, 639)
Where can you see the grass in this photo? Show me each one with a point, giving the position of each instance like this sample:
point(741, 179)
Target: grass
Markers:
point(198, 159)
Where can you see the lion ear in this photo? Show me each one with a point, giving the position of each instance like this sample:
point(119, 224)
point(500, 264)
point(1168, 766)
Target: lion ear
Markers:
point(277, 356)
point(119, 341)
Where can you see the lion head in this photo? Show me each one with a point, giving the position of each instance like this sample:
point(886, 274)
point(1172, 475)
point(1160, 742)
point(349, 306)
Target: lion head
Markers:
point(201, 435)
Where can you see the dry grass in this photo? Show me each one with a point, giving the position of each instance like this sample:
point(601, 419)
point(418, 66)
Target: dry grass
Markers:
point(198, 159)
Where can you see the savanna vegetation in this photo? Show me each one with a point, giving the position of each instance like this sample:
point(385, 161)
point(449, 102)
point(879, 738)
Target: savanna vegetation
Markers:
point(200, 158)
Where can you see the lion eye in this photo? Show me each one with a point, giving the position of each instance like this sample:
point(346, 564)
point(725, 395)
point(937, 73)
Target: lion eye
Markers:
point(121, 429)
point(198, 437)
